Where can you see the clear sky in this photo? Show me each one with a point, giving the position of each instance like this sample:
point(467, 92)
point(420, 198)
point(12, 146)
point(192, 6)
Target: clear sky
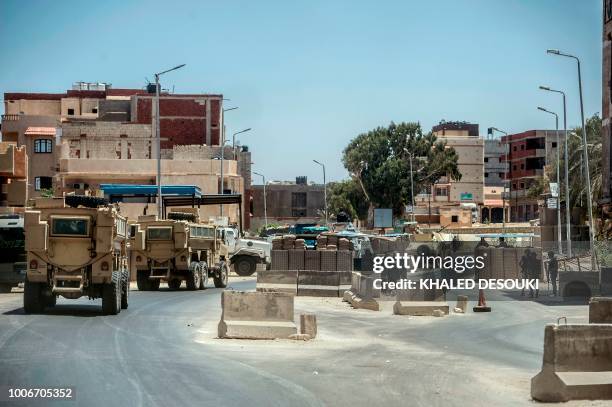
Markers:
point(309, 76)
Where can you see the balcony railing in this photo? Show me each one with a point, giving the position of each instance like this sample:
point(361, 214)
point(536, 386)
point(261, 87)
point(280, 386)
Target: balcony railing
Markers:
point(10, 117)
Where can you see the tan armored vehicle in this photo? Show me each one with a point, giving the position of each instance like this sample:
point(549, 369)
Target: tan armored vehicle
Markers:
point(176, 249)
point(75, 247)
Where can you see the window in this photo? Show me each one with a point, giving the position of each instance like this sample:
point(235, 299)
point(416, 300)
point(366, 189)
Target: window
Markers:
point(298, 199)
point(70, 226)
point(554, 144)
point(522, 166)
point(500, 174)
point(486, 159)
point(43, 145)
point(70, 112)
point(94, 110)
point(43, 183)
point(159, 233)
point(522, 147)
point(514, 148)
point(454, 218)
point(486, 175)
point(514, 167)
point(441, 192)
point(522, 185)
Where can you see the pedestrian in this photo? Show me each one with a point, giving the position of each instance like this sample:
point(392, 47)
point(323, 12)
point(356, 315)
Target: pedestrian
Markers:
point(534, 271)
point(525, 272)
point(553, 271)
point(502, 242)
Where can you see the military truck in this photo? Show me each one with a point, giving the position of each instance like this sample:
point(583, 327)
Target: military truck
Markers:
point(178, 249)
point(76, 246)
point(12, 252)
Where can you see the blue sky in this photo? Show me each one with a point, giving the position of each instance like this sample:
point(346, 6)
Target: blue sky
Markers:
point(309, 76)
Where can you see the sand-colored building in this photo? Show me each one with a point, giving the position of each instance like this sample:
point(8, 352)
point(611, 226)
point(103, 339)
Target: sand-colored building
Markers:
point(13, 175)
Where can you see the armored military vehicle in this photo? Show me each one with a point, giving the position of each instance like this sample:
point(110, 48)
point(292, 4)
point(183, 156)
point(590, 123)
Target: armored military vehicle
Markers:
point(76, 246)
point(178, 249)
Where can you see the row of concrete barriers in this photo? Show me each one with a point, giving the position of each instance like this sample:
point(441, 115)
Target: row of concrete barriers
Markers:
point(314, 283)
point(324, 260)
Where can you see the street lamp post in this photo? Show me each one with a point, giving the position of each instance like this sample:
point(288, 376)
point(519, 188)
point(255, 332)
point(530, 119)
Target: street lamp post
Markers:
point(223, 159)
point(506, 180)
point(325, 189)
point(568, 221)
point(158, 139)
point(234, 136)
point(264, 198)
point(411, 183)
point(585, 155)
point(559, 246)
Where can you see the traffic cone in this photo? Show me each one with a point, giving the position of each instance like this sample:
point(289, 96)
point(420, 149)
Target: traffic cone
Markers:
point(482, 303)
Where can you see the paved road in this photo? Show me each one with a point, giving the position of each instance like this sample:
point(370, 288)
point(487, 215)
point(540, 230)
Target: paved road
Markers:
point(162, 351)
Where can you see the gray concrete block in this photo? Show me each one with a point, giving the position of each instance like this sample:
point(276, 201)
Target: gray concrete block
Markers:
point(577, 364)
point(462, 303)
point(420, 308)
point(281, 281)
point(308, 325)
point(256, 315)
point(600, 310)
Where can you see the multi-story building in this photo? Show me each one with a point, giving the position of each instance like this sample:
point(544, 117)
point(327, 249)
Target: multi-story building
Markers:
point(528, 154)
point(13, 174)
point(468, 191)
point(33, 120)
point(494, 175)
point(288, 202)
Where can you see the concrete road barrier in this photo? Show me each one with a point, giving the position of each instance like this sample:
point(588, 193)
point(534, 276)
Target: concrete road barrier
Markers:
point(308, 325)
point(420, 308)
point(256, 315)
point(577, 364)
point(600, 310)
point(315, 283)
point(279, 260)
point(344, 282)
point(362, 293)
point(462, 303)
point(279, 281)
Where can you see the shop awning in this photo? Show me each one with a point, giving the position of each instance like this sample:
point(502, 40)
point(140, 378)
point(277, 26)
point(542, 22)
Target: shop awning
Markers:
point(496, 203)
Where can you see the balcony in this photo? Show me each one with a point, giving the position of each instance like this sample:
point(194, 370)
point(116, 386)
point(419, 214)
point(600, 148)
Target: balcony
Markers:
point(10, 117)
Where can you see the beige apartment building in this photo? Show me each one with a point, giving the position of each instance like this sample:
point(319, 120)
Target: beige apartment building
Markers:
point(13, 175)
point(466, 192)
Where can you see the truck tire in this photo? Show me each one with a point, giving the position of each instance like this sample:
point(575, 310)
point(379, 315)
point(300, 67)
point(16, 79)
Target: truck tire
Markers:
point(50, 300)
point(142, 280)
point(154, 284)
point(221, 279)
point(125, 291)
point(174, 284)
point(194, 277)
point(5, 288)
point(111, 295)
point(32, 297)
point(245, 266)
point(204, 275)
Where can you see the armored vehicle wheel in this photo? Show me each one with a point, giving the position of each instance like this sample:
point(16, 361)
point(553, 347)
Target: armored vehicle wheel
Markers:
point(204, 275)
point(245, 266)
point(221, 280)
point(142, 280)
point(125, 290)
point(111, 295)
point(50, 300)
point(5, 288)
point(154, 285)
point(32, 297)
point(194, 277)
point(174, 284)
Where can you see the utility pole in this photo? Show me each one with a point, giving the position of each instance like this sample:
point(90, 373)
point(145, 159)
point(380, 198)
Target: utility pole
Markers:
point(160, 211)
point(324, 190)
point(264, 198)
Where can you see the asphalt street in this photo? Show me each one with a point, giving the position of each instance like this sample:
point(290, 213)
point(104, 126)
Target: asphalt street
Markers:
point(163, 351)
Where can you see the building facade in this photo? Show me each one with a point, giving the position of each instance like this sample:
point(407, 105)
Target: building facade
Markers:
point(606, 108)
point(288, 202)
point(13, 175)
point(528, 155)
point(466, 192)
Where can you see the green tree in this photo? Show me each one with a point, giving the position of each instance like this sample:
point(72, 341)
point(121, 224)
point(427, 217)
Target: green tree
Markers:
point(379, 162)
point(347, 196)
point(577, 184)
